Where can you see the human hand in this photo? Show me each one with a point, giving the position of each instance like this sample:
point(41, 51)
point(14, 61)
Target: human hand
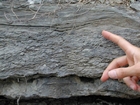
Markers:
point(117, 70)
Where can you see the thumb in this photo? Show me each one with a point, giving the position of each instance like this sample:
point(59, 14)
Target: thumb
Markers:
point(125, 72)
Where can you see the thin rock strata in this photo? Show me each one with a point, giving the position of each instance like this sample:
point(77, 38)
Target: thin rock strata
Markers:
point(57, 51)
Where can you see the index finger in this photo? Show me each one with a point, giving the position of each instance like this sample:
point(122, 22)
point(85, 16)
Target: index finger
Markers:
point(121, 42)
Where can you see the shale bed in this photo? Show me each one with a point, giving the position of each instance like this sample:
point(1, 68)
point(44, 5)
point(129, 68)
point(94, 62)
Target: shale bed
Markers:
point(52, 51)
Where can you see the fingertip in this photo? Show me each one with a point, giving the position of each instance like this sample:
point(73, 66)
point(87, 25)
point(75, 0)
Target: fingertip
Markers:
point(131, 84)
point(103, 32)
point(101, 79)
point(104, 78)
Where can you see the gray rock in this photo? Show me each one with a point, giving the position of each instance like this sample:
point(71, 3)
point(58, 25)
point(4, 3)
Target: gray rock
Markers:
point(66, 87)
point(132, 1)
point(58, 51)
point(135, 6)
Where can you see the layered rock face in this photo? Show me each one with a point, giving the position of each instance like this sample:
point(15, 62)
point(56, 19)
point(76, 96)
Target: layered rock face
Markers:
point(54, 49)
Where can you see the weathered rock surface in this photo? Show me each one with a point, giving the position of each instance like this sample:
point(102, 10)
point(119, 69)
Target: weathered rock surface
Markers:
point(57, 51)
point(135, 6)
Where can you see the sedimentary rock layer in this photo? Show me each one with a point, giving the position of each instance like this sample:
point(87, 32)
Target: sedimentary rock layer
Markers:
point(57, 50)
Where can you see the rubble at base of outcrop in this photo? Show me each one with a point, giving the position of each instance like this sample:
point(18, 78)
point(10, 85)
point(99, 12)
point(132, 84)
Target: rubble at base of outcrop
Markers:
point(56, 50)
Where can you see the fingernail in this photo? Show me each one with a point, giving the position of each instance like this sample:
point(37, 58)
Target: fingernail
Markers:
point(132, 87)
point(112, 74)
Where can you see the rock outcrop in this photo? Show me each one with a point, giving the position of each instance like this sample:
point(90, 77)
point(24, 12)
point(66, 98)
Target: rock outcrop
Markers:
point(55, 50)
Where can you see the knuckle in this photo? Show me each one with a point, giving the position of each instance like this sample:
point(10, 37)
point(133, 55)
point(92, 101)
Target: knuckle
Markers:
point(116, 61)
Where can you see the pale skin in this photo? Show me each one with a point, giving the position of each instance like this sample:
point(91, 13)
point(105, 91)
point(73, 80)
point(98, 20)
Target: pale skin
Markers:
point(117, 70)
